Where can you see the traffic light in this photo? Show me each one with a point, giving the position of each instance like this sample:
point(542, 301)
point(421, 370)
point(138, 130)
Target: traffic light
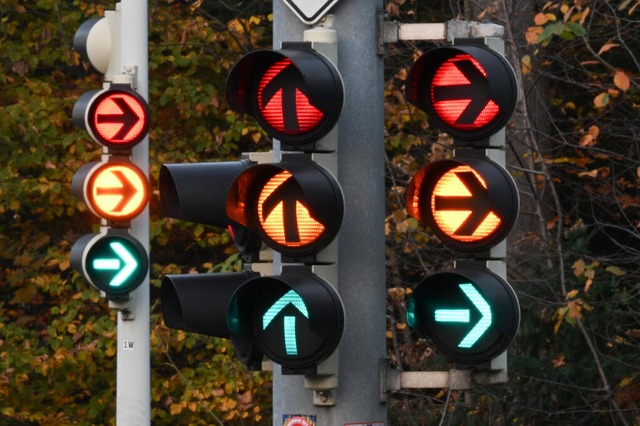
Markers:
point(294, 206)
point(117, 117)
point(115, 189)
point(112, 261)
point(295, 93)
point(468, 91)
point(470, 315)
point(296, 319)
point(306, 314)
point(470, 202)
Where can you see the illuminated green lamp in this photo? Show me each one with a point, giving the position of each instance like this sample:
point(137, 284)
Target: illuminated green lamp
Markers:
point(114, 263)
point(470, 315)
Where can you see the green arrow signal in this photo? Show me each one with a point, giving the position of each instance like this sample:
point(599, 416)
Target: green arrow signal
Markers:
point(464, 316)
point(125, 263)
point(290, 339)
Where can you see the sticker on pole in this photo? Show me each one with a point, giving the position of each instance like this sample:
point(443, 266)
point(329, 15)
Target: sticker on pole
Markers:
point(298, 420)
point(310, 11)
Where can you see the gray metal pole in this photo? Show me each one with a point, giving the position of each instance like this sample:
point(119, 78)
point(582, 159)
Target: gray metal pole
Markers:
point(133, 403)
point(361, 266)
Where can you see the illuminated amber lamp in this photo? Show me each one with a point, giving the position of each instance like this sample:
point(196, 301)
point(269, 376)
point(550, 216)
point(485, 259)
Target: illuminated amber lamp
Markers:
point(296, 208)
point(116, 191)
point(470, 203)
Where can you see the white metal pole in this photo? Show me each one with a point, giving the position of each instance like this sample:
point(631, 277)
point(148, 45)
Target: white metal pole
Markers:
point(133, 403)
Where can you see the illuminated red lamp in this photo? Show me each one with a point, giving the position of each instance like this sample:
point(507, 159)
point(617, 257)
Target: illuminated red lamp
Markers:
point(469, 92)
point(117, 118)
point(471, 204)
point(296, 93)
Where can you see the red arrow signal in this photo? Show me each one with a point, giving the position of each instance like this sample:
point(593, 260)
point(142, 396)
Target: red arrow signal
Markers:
point(283, 100)
point(295, 94)
point(468, 91)
point(461, 94)
point(116, 118)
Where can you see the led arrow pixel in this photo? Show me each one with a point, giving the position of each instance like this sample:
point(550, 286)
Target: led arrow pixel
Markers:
point(464, 316)
point(125, 264)
point(290, 339)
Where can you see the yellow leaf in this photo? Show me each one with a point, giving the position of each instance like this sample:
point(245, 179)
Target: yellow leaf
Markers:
point(584, 15)
point(594, 131)
point(532, 33)
point(175, 409)
point(572, 294)
point(621, 80)
point(614, 270)
point(606, 47)
point(550, 16)
point(560, 314)
point(588, 284)
point(575, 310)
point(586, 140)
point(624, 382)
point(526, 65)
point(601, 100)
point(540, 19)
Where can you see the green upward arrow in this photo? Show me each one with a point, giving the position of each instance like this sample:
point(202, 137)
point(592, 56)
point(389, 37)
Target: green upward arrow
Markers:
point(125, 263)
point(463, 315)
point(290, 339)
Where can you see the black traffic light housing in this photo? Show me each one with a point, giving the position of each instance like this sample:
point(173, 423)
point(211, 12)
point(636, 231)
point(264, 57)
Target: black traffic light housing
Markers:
point(296, 319)
point(485, 79)
point(471, 314)
point(470, 202)
point(199, 303)
point(442, 189)
point(309, 199)
point(197, 192)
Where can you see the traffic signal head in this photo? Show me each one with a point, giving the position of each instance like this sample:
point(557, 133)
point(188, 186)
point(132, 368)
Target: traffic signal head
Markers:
point(199, 303)
point(470, 315)
point(295, 207)
point(296, 319)
point(113, 190)
point(117, 118)
point(93, 41)
point(467, 91)
point(114, 263)
point(470, 203)
point(197, 192)
point(296, 93)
